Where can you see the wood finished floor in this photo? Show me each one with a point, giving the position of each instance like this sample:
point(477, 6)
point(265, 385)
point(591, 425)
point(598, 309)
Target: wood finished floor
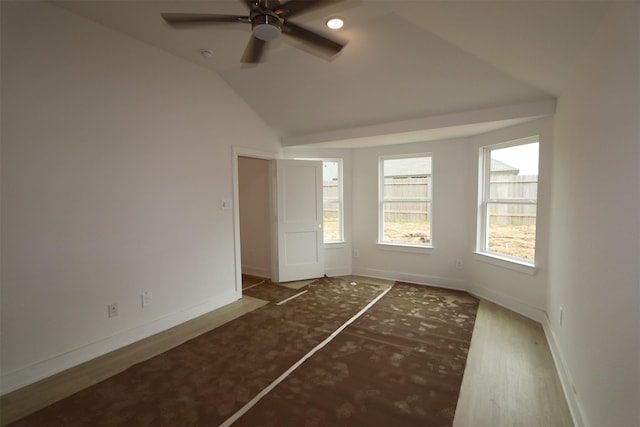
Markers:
point(26, 400)
point(510, 378)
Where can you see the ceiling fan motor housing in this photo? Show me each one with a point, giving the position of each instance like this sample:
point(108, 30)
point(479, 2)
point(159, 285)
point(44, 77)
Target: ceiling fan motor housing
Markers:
point(266, 26)
point(269, 19)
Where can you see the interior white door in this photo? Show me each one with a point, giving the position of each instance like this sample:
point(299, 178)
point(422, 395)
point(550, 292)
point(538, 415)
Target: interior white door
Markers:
point(299, 220)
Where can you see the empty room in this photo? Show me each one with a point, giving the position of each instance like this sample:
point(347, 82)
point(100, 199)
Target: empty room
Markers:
point(235, 212)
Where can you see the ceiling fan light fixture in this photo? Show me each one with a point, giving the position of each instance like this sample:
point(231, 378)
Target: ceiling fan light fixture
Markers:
point(266, 27)
point(335, 22)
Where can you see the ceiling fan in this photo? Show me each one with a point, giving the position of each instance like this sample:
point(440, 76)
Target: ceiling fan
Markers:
point(268, 19)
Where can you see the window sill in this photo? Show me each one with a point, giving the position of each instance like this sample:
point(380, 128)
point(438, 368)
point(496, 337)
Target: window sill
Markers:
point(511, 264)
point(334, 245)
point(398, 247)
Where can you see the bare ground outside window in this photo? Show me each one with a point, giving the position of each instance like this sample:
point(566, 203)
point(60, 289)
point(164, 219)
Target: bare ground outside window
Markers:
point(517, 240)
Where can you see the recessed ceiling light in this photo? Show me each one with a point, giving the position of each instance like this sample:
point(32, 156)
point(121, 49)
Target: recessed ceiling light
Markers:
point(206, 53)
point(335, 23)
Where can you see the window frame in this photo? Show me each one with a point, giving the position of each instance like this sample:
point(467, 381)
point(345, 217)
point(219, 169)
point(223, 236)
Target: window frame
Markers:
point(485, 200)
point(340, 202)
point(404, 246)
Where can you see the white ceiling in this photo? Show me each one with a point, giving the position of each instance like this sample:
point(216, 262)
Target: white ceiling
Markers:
point(406, 62)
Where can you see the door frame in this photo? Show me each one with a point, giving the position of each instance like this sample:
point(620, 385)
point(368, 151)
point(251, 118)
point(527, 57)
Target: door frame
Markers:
point(237, 152)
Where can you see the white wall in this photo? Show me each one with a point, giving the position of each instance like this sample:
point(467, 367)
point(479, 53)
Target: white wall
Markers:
point(452, 195)
point(454, 222)
point(255, 215)
point(595, 233)
point(502, 282)
point(116, 155)
point(115, 158)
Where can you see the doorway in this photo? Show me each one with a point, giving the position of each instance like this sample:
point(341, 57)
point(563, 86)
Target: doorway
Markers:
point(255, 207)
point(267, 243)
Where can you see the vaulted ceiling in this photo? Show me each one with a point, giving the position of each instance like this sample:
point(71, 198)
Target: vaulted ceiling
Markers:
point(412, 69)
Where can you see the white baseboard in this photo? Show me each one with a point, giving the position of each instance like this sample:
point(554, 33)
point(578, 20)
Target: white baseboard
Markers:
point(22, 377)
point(14, 380)
point(256, 271)
point(565, 377)
point(420, 279)
point(541, 317)
point(508, 302)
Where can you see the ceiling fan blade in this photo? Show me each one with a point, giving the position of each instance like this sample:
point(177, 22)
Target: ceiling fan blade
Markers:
point(254, 50)
point(312, 37)
point(296, 7)
point(201, 18)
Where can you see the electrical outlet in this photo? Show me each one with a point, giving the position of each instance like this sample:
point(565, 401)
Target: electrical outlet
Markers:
point(356, 253)
point(458, 264)
point(146, 299)
point(112, 309)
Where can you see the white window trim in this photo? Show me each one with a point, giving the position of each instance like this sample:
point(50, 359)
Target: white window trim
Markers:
point(408, 247)
point(334, 244)
point(483, 254)
point(340, 201)
point(511, 263)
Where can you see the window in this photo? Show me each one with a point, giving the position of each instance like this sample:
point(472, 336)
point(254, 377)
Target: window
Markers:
point(406, 189)
point(508, 200)
point(332, 201)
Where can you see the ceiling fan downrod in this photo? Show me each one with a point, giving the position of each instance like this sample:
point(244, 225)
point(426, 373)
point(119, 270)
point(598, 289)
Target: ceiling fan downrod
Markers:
point(269, 19)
